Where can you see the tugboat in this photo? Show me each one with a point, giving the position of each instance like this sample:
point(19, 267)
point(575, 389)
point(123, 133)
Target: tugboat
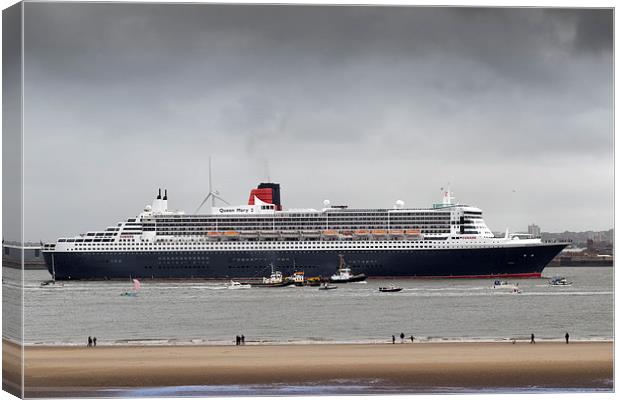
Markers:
point(344, 273)
point(313, 281)
point(298, 278)
point(275, 280)
point(390, 289)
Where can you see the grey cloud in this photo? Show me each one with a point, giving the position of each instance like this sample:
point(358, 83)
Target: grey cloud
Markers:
point(128, 97)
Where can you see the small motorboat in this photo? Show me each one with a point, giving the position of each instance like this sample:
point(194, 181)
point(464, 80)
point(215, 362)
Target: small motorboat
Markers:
point(504, 285)
point(237, 285)
point(327, 286)
point(559, 281)
point(52, 284)
point(390, 289)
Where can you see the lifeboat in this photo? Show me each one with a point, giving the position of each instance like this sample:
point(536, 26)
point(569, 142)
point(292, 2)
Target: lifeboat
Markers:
point(231, 235)
point(361, 232)
point(396, 232)
point(330, 234)
point(248, 234)
point(290, 234)
point(269, 234)
point(310, 234)
point(214, 235)
point(379, 232)
point(413, 234)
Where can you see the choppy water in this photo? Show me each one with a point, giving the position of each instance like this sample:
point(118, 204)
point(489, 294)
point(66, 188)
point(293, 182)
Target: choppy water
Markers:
point(206, 312)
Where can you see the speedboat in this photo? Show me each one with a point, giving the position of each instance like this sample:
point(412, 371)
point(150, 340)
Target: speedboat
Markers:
point(327, 286)
point(559, 281)
point(237, 285)
point(504, 285)
point(345, 274)
point(390, 289)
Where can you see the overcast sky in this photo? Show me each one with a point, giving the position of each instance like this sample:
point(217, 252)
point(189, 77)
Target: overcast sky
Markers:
point(359, 105)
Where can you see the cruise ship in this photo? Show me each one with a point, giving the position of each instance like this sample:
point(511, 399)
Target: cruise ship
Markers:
point(447, 240)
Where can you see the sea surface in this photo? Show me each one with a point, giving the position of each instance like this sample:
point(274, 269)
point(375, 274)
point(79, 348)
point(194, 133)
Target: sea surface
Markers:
point(171, 312)
point(338, 387)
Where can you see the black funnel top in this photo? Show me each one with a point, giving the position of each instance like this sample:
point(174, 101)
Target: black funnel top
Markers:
point(275, 191)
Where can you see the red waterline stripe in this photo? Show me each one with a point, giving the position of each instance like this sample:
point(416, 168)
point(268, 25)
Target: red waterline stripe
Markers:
point(522, 275)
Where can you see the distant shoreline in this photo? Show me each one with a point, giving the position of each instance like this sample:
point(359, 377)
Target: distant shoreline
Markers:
point(441, 365)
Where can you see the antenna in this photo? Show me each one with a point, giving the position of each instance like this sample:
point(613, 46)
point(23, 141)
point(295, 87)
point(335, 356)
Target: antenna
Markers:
point(211, 195)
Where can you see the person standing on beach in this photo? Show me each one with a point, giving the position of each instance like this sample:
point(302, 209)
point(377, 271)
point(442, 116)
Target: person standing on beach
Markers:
point(393, 339)
point(95, 342)
point(402, 337)
point(90, 342)
point(411, 338)
point(566, 337)
point(242, 339)
point(532, 341)
point(237, 340)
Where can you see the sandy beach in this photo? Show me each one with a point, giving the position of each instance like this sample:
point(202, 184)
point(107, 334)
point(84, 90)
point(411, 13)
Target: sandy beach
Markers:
point(470, 365)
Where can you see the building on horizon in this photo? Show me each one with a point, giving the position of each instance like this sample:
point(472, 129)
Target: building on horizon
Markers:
point(533, 230)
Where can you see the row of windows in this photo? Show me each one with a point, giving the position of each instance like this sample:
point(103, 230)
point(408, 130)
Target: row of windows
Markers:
point(265, 221)
point(304, 249)
point(85, 240)
point(295, 229)
point(301, 243)
point(269, 218)
point(336, 213)
point(96, 234)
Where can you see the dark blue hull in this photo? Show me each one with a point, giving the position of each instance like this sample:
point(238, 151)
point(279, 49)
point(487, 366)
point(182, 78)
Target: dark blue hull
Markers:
point(523, 261)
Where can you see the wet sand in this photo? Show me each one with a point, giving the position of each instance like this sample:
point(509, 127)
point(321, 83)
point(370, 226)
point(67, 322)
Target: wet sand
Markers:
point(468, 365)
